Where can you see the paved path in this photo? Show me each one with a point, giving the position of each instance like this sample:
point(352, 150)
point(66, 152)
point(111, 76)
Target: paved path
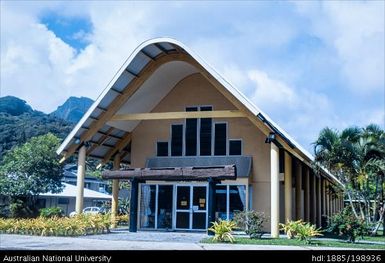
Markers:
point(131, 241)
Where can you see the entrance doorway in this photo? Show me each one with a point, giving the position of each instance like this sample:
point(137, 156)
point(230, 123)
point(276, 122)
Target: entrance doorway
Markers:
point(191, 207)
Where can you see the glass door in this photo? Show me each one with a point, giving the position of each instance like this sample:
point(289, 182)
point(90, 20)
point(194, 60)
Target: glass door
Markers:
point(183, 207)
point(199, 207)
point(191, 207)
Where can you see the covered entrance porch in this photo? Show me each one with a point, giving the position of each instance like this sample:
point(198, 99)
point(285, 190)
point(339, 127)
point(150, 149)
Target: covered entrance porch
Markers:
point(177, 198)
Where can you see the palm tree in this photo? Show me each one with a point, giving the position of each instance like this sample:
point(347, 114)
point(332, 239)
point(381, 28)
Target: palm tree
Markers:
point(357, 157)
point(333, 151)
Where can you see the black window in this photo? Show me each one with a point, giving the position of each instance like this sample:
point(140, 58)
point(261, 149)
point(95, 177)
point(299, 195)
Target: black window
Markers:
point(162, 149)
point(205, 133)
point(63, 201)
point(191, 134)
point(235, 147)
point(220, 139)
point(176, 140)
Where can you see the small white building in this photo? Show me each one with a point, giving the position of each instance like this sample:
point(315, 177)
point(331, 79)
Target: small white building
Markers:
point(66, 199)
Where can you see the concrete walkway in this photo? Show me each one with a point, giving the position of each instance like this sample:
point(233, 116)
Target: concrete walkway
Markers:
point(122, 240)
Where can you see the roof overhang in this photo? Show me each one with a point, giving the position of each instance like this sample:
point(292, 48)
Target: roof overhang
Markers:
point(157, 61)
point(196, 173)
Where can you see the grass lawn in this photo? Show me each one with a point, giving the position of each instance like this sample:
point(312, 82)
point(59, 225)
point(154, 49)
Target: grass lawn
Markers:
point(378, 238)
point(294, 242)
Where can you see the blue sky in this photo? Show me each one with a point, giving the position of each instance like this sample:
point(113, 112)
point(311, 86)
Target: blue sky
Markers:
point(71, 30)
point(327, 58)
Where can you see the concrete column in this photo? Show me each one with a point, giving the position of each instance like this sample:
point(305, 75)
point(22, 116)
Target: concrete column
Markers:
point(343, 203)
point(274, 190)
point(327, 195)
point(115, 193)
point(307, 195)
point(80, 180)
point(337, 204)
point(313, 199)
point(323, 196)
point(288, 187)
point(298, 190)
point(211, 205)
point(134, 206)
point(319, 203)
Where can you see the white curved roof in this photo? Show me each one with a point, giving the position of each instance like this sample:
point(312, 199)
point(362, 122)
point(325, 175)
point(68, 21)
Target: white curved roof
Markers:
point(140, 57)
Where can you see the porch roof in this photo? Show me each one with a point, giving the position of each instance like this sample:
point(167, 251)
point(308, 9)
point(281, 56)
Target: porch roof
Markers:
point(201, 173)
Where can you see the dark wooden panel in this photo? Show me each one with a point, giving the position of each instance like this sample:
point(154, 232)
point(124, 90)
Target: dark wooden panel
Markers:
point(201, 173)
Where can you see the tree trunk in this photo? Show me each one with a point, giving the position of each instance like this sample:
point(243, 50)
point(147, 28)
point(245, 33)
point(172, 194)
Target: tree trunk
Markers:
point(383, 202)
point(361, 210)
point(377, 198)
point(380, 221)
point(351, 204)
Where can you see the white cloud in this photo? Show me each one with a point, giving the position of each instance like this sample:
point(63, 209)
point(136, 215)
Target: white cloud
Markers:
point(366, 117)
point(39, 67)
point(300, 112)
point(356, 31)
point(34, 58)
point(270, 92)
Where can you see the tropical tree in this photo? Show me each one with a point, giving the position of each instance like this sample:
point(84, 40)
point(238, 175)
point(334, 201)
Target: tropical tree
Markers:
point(357, 157)
point(29, 170)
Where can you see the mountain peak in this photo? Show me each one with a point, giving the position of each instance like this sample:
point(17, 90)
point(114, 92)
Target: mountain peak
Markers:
point(14, 106)
point(73, 108)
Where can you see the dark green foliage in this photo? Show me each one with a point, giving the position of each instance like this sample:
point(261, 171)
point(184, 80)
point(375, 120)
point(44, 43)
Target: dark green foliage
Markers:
point(345, 224)
point(14, 106)
point(124, 206)
point(16, 130)
point(251, 222)
point(18, 122)
point(51, 212)
point(34, 166)
point(36, 169)
point(22, 207)
point(73, 109)
point(4, 211)
point(356, 156)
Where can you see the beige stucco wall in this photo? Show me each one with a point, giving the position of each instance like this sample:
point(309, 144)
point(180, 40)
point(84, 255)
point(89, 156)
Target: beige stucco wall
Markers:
point(196, 90)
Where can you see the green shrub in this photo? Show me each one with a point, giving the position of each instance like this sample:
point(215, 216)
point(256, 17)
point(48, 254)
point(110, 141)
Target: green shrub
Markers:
point(51, 212)
point(223, 231)
point(251, 222)
point(122, 219)
point(301, 230)
point(4, 211)
point(291, 228)
point(56, 226)
point(345, 224)
point(17, 209)
point(306, 231)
